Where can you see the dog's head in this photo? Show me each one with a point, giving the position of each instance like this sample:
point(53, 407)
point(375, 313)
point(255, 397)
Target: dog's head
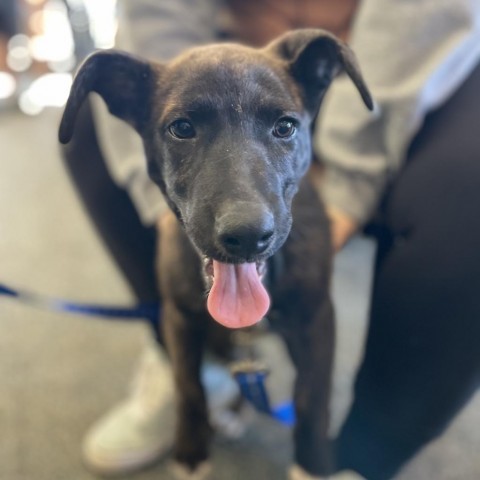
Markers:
point(226, 130)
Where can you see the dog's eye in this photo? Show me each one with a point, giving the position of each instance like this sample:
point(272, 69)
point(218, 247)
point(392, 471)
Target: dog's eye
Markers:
point(284, 128)
point(182, 129)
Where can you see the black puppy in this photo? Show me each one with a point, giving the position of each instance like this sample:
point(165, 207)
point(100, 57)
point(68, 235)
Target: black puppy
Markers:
point(227, 136)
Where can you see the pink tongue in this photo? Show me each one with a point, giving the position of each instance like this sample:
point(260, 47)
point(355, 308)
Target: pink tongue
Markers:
point(238, 298)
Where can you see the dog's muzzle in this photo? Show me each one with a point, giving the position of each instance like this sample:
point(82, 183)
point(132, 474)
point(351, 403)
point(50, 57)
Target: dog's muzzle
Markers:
point(244, 231)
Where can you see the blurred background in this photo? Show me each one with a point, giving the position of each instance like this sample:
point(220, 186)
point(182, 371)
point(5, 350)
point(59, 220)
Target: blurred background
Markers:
point(42, 41)
point(59, 373)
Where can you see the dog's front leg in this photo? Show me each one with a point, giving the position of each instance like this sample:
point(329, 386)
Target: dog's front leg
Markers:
point(185, 340)
point(312, 347)
point(184, 327)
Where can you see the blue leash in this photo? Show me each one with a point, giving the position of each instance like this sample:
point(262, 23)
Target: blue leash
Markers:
point(149, 311)
point(249, 375)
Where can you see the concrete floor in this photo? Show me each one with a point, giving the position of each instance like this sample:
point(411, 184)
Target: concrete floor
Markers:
point(58, 373)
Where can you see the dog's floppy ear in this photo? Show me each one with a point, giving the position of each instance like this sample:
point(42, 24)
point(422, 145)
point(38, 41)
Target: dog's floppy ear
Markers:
point(314, 58)
point(122, 80)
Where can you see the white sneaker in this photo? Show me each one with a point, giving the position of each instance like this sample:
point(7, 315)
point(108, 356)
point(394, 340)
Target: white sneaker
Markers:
point(140, 430)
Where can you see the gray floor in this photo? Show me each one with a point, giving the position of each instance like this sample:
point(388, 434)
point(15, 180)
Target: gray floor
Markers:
point(58, 373)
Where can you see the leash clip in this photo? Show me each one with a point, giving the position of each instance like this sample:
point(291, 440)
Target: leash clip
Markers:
point(250, 376)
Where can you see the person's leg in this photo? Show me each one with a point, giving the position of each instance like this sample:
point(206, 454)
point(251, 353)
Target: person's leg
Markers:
point(422, 360)
point(131, 243)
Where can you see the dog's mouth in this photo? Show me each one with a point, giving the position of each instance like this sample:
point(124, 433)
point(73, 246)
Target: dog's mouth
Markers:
point(237, 297)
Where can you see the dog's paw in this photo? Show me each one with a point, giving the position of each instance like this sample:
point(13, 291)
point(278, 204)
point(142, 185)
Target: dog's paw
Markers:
point(347, 475)
point(181, 472)
point(298, 473)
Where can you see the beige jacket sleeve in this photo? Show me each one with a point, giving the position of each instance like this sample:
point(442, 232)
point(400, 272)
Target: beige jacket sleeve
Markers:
point(414, 54)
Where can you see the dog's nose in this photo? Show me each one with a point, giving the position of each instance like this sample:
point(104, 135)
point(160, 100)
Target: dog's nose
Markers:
point(245, 232)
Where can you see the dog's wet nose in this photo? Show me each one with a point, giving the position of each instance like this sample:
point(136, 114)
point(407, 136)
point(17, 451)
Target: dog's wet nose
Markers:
point(245, 232)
